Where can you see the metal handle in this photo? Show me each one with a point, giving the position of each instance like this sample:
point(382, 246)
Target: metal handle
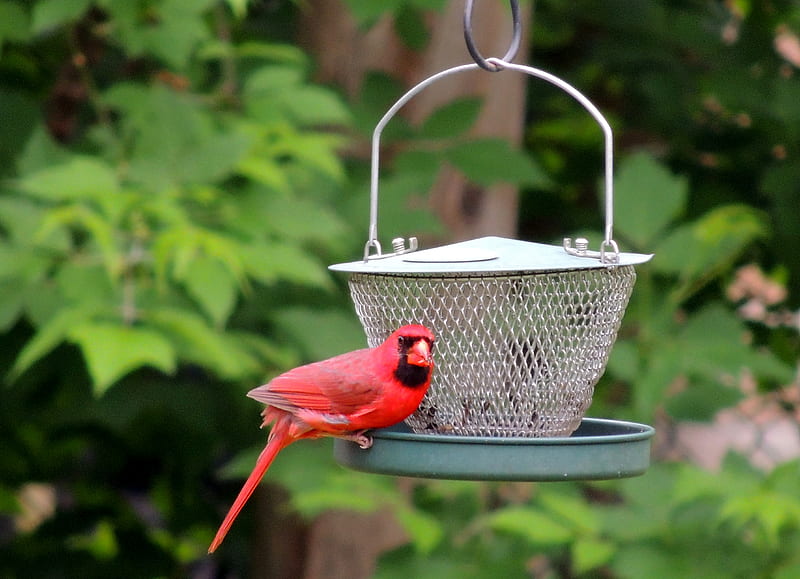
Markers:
point(516, 39)
point(608, 243)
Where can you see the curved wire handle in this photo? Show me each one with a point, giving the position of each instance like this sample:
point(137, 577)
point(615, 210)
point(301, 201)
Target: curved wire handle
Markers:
point(608, 242)
point(516, 39)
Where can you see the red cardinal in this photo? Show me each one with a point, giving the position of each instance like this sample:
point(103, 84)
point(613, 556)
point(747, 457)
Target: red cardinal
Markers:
point(343, 396)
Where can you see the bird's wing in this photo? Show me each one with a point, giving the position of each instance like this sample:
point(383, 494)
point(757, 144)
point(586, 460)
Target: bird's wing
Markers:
point(344, 385)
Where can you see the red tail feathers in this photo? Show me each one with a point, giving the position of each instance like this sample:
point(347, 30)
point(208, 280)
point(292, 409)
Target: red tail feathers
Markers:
point(278, 440)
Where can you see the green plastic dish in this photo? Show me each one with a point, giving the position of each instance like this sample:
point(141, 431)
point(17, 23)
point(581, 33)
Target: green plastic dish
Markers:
point(598, 449)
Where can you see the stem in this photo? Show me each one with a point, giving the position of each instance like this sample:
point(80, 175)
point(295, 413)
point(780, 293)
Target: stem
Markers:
point(229, 87)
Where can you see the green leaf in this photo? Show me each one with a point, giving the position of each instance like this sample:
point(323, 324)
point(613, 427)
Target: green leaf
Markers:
point(276, 93)
point(176, 31)
point(212, 159)
point(50, 335)
point(196, 342)
point(12, 302)
point(532, 525)
point(700, 250)
point(714, 343)
point(40, 152)
point(571, 509)
point(18, 217)
point(321, 333)
point(410, 25)
point(490, 161)
point(588, 554)
point(99, 229)
point(85, 283)
point(791, 571)
point(647, 198)
point(273, 262)
point(315, 105)
point(101, 542)
point(49, 14)
point(264, 171)
point(772, 512)
point(367, 11)
point(644, 560)
point(113, 350)
point(212, 286)
point(302, 220)
point(286, 53)
point(657, 376)
point(624, 361)
point(425, 530)
point(238, 7)
point(80, 177)
point(452, 119)
point(14, 22)
point(701, 400)
point(693, 483)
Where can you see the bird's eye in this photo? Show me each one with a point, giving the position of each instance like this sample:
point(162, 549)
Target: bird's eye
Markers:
point(401, 340)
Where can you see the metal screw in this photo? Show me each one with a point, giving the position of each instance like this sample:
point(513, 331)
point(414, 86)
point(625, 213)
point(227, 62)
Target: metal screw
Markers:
point(399, 244)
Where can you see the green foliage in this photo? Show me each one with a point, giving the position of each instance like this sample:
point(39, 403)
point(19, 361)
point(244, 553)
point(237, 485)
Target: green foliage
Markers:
point(163, 246)
point(709, 351)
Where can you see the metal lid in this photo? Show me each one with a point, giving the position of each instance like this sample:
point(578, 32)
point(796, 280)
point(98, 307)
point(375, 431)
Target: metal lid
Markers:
point(483, 256)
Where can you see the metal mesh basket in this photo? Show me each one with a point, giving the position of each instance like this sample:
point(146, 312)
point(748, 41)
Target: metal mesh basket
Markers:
point(516, 355)
point(523, 330)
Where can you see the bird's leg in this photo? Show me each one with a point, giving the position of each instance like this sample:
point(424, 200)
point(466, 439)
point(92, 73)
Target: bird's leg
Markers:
point(360, 438)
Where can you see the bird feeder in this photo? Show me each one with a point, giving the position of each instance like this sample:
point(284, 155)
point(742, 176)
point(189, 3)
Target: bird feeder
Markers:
point(523, 333)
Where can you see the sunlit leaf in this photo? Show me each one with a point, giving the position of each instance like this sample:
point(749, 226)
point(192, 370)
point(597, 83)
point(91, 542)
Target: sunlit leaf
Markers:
point(238, 7)
point(647, 198)
point(772, 512)
point(101, 542)
point(212, 286)
point(274, 262)
point(425, 531)
point(195, 341)
point(570, 509)
point(50, 335)
point(712, 242)
point(80, 177)
point(531, 524)
point(588, 554)
point(113, 350)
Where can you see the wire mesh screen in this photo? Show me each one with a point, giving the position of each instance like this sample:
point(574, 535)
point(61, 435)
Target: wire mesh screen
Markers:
point(516, 355)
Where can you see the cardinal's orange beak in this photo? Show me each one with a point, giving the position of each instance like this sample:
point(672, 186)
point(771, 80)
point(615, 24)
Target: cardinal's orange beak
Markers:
point(420, 354)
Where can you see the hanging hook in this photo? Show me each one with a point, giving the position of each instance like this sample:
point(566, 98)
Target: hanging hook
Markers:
point(515, 39)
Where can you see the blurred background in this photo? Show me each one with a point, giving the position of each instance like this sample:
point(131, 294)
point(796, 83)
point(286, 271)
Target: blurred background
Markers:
point(178, 174)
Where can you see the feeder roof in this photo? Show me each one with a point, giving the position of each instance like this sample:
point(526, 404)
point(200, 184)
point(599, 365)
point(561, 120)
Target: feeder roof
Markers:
point(483, 256)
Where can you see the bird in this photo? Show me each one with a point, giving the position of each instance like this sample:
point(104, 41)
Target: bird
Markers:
point(344, 397)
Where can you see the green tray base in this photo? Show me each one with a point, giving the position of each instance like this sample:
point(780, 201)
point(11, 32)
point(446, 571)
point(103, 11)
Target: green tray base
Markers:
point(599, 449)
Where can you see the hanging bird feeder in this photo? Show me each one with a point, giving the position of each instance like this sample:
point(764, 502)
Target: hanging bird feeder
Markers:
point(523, 333)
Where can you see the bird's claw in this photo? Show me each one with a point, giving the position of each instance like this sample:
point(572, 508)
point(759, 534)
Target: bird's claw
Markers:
point(364, 441)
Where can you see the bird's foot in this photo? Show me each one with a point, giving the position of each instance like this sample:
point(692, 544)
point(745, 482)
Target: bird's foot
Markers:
point(362, 439)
